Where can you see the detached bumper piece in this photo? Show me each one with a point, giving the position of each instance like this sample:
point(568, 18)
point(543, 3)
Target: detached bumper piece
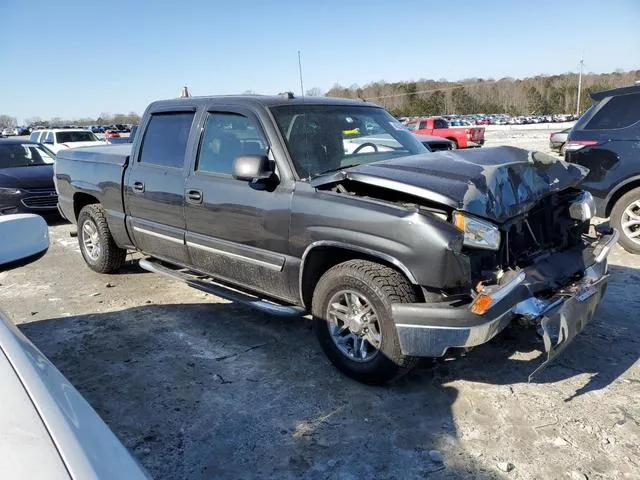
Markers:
point(430, 329)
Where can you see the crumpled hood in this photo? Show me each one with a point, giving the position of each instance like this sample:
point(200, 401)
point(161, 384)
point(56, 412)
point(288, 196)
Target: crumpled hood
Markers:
point(495, 183)
point(40, 176)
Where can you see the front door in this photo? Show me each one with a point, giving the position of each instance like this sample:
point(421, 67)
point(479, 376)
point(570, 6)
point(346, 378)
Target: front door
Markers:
point(236, 230)
point(154, 186)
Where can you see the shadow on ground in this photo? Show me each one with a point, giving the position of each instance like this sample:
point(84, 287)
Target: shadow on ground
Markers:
point(217, 390)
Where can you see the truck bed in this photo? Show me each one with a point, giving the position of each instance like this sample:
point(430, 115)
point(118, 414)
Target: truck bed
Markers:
point(94, 173)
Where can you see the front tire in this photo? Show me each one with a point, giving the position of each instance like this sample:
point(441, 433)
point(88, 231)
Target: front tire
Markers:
point(352, 319)
point(625, 217)
point(97, 246)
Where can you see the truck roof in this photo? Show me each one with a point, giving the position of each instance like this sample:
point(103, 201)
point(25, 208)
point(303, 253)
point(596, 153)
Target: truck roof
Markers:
point(263, 100)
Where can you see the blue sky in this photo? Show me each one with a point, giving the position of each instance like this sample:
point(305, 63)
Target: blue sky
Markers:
point(74, 58)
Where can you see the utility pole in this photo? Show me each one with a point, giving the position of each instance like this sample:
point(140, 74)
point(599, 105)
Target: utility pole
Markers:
point(300, 72)
point(579, 85)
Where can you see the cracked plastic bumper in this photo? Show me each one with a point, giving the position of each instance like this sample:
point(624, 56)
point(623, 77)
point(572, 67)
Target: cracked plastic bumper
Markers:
point(429, 330)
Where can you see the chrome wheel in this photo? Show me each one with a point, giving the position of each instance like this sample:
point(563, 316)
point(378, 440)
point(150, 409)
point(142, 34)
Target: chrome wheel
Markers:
point(354, 326)
point(631, 222)
point(91, 240)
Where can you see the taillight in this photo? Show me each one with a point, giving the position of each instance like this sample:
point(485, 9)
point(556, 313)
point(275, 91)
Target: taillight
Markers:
point(575, 145)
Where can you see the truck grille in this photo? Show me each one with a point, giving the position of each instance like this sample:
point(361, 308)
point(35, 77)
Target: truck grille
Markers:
point(544, 229)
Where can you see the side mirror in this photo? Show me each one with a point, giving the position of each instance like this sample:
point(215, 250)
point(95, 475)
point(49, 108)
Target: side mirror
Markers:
point(25, 238)
point(252, 167)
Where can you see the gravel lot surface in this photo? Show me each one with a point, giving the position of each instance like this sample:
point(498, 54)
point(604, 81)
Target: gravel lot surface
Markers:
point(198, 387)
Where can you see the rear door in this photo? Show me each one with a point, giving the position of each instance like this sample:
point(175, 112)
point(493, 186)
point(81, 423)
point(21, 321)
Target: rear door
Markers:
point(236, 230)
point(440, 127)
point(154, 184)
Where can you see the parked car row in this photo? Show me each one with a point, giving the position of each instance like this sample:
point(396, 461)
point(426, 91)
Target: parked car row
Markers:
point(14, 131)
point(499, 119)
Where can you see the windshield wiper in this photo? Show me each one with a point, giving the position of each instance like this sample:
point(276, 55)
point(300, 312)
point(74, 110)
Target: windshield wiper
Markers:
point(336, 169)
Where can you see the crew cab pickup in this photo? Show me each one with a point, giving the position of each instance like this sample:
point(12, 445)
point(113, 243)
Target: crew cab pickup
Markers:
point(462, 137)
point(397, 252)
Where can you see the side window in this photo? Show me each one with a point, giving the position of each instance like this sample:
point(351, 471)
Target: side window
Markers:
point(439, 123)
point(48, 137)
point(227, 136)
point(424, 125)
point(619, 112)
point(165, 139)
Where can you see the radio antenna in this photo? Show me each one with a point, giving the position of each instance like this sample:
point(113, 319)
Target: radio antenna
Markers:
point(300, 71)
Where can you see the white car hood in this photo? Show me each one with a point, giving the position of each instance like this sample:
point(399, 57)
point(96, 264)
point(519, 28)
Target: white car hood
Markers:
point(26, 449)
point(80, 438)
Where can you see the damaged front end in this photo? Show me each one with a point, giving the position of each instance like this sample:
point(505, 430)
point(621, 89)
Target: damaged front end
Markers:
point(526, 244)
point(557, 293)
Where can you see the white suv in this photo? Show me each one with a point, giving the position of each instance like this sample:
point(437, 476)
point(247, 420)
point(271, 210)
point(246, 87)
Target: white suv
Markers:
point(59, 139)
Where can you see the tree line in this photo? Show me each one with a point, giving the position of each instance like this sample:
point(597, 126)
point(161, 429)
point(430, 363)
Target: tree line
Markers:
point(103, 119)
point(539, 95)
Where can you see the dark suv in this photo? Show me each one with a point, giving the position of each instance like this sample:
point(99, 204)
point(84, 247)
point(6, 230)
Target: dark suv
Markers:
point(606, 139)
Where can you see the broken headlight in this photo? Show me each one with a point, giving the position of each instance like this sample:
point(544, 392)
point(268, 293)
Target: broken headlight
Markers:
point(477, 233)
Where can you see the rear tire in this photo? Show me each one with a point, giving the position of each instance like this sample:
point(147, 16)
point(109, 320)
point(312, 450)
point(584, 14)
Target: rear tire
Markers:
point(377, 287)
point(98, 249)
point(454, 143)
point(624, 214)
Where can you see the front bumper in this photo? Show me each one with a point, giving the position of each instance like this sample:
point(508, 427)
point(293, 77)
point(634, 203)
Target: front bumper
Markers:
point(40, 201)
point(430, 329)
point(475, 143)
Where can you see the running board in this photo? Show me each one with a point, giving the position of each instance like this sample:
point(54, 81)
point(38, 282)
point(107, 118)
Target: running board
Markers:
point(207, 285)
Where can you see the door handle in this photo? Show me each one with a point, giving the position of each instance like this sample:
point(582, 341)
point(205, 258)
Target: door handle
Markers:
point(138, 186)
point(194, 196)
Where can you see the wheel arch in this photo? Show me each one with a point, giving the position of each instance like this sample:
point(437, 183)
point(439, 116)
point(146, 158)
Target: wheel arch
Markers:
point(623, 188)
point(81, 200)
point(322, 255)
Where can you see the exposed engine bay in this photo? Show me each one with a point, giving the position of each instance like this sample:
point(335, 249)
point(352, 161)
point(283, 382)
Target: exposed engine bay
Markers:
point(527, 239)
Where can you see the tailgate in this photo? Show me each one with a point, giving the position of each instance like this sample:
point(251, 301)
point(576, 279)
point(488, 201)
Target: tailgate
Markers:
point(477, 133)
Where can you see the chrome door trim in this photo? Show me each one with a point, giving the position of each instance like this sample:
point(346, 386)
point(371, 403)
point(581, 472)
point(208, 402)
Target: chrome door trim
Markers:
point(261, 263)
point(158, 235)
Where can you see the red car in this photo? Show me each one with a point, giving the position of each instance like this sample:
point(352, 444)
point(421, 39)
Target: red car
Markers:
point(111, 134)
point(462, 137)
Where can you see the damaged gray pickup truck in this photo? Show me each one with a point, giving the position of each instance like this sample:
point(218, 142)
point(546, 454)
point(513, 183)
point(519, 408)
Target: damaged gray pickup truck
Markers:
point(332, 207)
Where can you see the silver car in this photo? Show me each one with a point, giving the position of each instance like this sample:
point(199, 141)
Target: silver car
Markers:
point(47, 429)
point(558, 139)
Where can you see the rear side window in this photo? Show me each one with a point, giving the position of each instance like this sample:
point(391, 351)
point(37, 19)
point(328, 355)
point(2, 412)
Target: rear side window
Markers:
point(227, 136)
point(440, 123)
point(621, 111)
point(165, 140)
point(423, 125)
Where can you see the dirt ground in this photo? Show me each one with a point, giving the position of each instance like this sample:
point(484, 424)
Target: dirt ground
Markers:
point(197, 387)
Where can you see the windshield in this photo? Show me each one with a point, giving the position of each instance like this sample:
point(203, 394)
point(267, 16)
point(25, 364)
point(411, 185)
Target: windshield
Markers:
point(70, 137)
point(325, 138)
point(24, 155)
